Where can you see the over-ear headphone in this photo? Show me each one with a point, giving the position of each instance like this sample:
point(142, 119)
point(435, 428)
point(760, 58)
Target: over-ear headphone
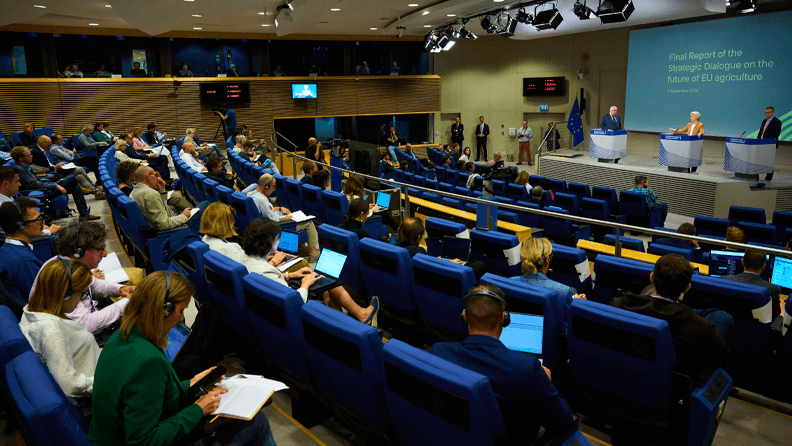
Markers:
point(543, 260)
point(488, 293)
point(67, 265)
point(268, 185)
point(79, 252)
point(168, 306)
point(20, 224)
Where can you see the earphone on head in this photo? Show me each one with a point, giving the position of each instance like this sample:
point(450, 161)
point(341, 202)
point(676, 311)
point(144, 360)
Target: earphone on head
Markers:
point(20, 225)
point(79, 252)
point(543, 260)
point(268, 185)
point(488, 293)
point(67, 265)
point(168, 306)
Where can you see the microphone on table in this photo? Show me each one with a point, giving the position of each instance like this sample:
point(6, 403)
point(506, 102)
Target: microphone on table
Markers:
point(743, 133)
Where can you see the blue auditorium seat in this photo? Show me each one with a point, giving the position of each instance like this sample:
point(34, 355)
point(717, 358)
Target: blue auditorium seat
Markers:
point(782, 220)
point(746, 214)
point(439, 286)
point(499, 187)
point(500, 252)
point(344, 242)
point(656, 237)
point(579, 190)
point(634, 244)
point(452, 177)
point(517, 192)
point(614, 353)
point(224, 195)
point(12, 341)
point(569, 202)
point(198, 179)
point(345, 358)
point(635, 207)
point(433, 401)
point(617, 276)
point(760, 233)
point(436, 229)
point(147, 242)
point(710, 226)
point(500, 199)
point(529, 299)
point(335, 206)
point(528, 219)
point(312, 200)
point(661, 249)
point(453, 203)
point(557, 185)
point(535, 180)
point(189, 262)
point(245, 210)
point(462, 190)
point(294, 192)
point(224, 283)
point(563, 231)
point(609, 195)
point(209, 189)
point(440, 174)
point(445, 187)
point(570, 266)
point(280, 192)
point(431, 184)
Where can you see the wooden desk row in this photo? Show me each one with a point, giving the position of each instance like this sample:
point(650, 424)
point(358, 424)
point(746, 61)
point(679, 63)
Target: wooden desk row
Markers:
point(629, 254)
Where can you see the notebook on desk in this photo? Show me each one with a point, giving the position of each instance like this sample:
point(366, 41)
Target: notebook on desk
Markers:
point(525, 333)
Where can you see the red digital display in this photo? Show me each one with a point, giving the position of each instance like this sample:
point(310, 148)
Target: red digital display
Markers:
point(544, 86)
point(219, 92)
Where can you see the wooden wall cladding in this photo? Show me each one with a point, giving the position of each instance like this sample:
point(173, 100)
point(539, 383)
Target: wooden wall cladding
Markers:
point(68, 104)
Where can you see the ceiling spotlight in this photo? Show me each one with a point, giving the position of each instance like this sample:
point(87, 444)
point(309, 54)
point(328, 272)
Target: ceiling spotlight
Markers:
point(446, 40)
point(742, 6)
point(335, 9)
point(613, 11)
point(507, 25)
point(197, 15)
point(467, 34)
point(40, 6)
point(582, 11)
point(524, 17)
point(266, 24)
point(547, 19)
point(399, 31)
point(93, 24)
point(489, 25)
point(412, 5)
point(197, 27)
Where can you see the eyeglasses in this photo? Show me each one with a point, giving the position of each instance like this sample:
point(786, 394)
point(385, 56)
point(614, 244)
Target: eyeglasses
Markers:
point(86, 294)
point(98, 248)
point(40, 218)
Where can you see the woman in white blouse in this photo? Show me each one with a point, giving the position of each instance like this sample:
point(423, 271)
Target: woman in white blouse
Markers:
point(69, 350)
point(465, 155)
point(217, 223)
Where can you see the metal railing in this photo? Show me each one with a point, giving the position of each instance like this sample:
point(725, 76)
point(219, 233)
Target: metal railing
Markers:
point(590, 221)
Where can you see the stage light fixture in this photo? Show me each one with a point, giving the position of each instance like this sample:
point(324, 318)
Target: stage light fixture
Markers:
point(446, 40)
point(582, 11)
point(613, 11)
point(467, 34)
point(742, 6)
point(488, 25)
point(524, 17)
point(507, 25)
point(547, 19)
point(430, 43)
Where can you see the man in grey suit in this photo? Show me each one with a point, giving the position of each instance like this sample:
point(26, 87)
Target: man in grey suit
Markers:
point(753, 264)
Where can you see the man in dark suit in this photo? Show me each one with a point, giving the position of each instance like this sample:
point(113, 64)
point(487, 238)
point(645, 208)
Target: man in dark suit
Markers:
point(692, 245)
point(526, 396)
point(457, 132)
point(770, 128)
point(482, 130)
point(610, 122)
point(753, 265)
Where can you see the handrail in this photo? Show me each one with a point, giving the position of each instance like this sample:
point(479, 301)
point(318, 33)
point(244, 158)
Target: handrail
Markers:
point(590, 221)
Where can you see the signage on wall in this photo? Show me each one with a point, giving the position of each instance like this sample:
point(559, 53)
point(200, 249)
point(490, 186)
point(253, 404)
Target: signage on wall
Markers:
point(544, 107)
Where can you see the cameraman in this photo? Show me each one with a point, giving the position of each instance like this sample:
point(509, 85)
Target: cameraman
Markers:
point(229, 117)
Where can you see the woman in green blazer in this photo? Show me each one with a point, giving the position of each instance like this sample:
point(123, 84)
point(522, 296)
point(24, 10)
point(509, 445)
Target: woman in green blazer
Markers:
point(137, 397)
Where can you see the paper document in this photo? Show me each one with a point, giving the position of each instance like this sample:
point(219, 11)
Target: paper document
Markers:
point(246, 395)
point(255, 158)
point(112, 269)
point(194, 211)
point(170, 193)
point(69, 166)
point(299, 216)
point(286, 265)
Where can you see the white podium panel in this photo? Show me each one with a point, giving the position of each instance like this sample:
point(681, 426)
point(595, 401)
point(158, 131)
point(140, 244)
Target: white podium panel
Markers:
point(750, 156)
point(680, 150)
point(608, 145)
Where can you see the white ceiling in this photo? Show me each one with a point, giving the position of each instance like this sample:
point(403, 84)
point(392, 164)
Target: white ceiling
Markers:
point(355, 17)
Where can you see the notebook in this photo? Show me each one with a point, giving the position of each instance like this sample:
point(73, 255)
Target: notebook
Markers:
point(455, 248)
point(524, 334)
point(246, 395)
point(177, 337)
point(329, 265)
point(782, 273)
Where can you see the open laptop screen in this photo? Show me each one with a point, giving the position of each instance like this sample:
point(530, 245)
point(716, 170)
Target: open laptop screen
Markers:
point(288, 242)
point(782, 273)
point(383, 200)
point(524, 333)
point(330, 263)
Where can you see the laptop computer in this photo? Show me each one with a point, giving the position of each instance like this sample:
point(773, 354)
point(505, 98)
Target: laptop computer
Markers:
point(782, 273)
point(289, 244)
point(329, 266)
point(728, 263)
point(383, 201)
point(455, 248)
point(524, 334)
point(177, 337)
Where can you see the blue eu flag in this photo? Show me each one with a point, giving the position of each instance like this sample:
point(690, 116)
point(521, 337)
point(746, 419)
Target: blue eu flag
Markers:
point(575, 124)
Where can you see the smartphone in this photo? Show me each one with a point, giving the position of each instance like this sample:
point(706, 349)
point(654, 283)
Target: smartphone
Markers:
point(198, 389)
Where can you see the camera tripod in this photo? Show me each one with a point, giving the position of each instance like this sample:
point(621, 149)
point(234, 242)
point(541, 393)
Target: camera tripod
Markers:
point(220, 126)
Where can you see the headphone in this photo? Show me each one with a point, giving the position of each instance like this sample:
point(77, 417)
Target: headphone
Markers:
point(169, 307)
point(543, 260)
point(20, 224)
point(79, 252)
point(268, 185)
point(67, 265)
point(488, 293)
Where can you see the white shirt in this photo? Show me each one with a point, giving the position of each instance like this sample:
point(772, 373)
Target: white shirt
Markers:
point(481, 128)
point(260, 266)
point(5, 199)
point(525, 134)
point(231, 250)
point(66, 347)
point(191, 161)
point(265, 207)
point(464, 158)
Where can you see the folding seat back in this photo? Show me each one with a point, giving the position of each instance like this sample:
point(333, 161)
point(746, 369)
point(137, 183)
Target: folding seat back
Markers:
point(517, 192)
point(294, 192)
point(440, 174)
point(616, 276)
point(345, 357)
point(436, 229)
point(398, 175)
point(656, 237)
point(782, 220)
point(387, 272)
point(245, 210)
point(431, 184)
point(535, 180)
point(439, 286)
point(529, 219)
point(570, 266)
point(209, 189)
point(132, 222)
point(500, 252)
point(224, 283)
point(461, 190)
point(409, 178)
point(453, 203)
point(344, 242)
point(661, 249)
point(567, 201)
point(197, 180)
point(760, 233)
point(419, 180)
point(224, 194)
point(557, 185)
point(635, 207)
point(579, 190)
point(189, 262)
point(634, 244)
point(710, 225)
point(499, 199)
point(607, 194)
point(335, 206)
point(499, 187)
point(312, 200)
point(529, 299)
point(433, 401)
point(12, 341)
point(746, 214)
point(445, 187)
point(563, 231)
point(452, 177)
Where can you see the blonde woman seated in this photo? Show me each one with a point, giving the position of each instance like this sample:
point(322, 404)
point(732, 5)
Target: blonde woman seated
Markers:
point(139, 143)
point(69, 350)
point(522, 180)
point(536, 254)
point(217, 224)
point(260, 242)
point(121, 156)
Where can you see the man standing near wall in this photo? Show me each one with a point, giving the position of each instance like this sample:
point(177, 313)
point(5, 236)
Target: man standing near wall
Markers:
point(457, 132)
point(482, 130)
point(524, 135)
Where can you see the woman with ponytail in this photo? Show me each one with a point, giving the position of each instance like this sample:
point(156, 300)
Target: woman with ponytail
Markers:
point(356, 215)
point(536, 254)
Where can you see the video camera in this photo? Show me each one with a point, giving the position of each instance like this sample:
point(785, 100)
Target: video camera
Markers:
point(338, 146)
point(497, 171)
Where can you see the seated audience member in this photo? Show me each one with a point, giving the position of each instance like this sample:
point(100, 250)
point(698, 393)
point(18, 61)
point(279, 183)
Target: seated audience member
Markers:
point(308, 168)
point(686, 229)
point(411, 234)
point(470, 167)
point(137, 140)
point(268, 165)
point(314, 152)
point(121, 156)
point(497, 157)
point(265, 188)
point(218, 225)
point(260, 241)
point(536, 195)
point(278, 71)
point(405, 166)
point(233, 138)
point(321, 179)
point(736, 235)
point(100, 135)
point(90, 238)
point(248, 152)
point(149, 194)
point(138, 398)
point(203, 149)
point(62, 155)
point(27, 137)
point(67, 349)
point(18, 265)
point(101, 72)
point(642, 186)
point(184, 71)
point(353, 189)
point(526, 396)
point(162, 137)
point(238, 141)
point(698, 343)
point(446, 162)
point(88, 142)
point(125, 175)
point(536, 254)
point(65, 186)
point(190, 158)
point(72, 71)
point(216, 172)
point(158, 162)
point(40, 159)
point(136, 71)
point(754, 263)
point(460, 166)
point(522, 180)
point(466, 154)
point(356, 215)
point(150, 137)
point(107, 132)
point(387, 163)
point(9, 184)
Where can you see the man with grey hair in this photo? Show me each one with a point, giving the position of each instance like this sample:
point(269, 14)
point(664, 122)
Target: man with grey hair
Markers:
point(43, 145)
point(266, 187)
point(87, 140)
point(201, 148)
point(149, 194)
point(188, 155)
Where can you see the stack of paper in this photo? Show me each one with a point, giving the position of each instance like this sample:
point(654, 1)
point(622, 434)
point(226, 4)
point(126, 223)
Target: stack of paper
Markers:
point(112, 269)
point(246, 395)
point(299, 216)
point(69, 166)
